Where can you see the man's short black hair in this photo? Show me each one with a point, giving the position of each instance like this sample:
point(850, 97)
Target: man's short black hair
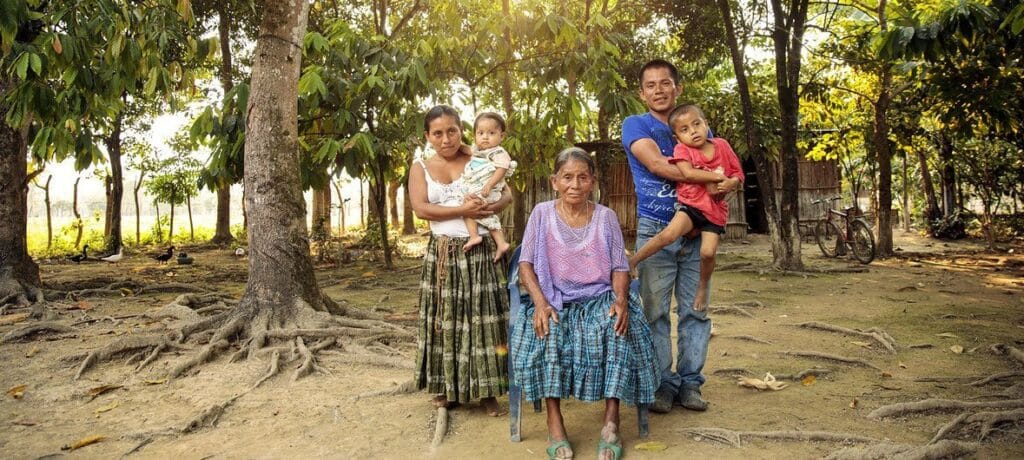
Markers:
point(659, 64)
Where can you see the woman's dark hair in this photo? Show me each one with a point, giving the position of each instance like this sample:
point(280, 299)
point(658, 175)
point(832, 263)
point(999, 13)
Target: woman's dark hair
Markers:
point(493, 116)
point(439, 111)
point(659, 64)
point(578, 154)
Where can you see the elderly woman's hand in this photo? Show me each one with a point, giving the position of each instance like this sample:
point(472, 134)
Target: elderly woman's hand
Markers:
point(541, 315)
point(620, 310)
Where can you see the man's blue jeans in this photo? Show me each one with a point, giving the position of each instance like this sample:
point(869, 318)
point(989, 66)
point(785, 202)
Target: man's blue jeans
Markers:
point(676, 266)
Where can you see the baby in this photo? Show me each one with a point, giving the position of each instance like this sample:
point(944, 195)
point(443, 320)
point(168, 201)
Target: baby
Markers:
point(485, 177)
point(711, 169)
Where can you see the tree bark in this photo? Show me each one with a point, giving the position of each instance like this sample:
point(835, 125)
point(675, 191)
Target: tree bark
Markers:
point(78, 216)
point(932, 210)
point(341, 209)
point(115, 190)
point(948, 175)
point(49, 216)
point(19, 274)
point(765, 178)
point(138, 210)
point(159, 227)
point(191, 229)
point(321, 215)
point(408, 222)
point(222, 235)
point(788, 40)
point(393, 203)
point(281, 283)
point(170, 227)
point(883, 247)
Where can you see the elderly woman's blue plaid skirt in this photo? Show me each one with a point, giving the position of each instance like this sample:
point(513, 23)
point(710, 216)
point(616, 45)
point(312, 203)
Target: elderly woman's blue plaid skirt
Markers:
point(582, 357)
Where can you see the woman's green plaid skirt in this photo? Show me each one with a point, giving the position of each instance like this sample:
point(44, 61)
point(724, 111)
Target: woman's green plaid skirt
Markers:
point(581, 355)
point(463, 341)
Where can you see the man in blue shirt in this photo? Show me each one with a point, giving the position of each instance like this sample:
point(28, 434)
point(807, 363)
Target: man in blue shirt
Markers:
point(648, 141)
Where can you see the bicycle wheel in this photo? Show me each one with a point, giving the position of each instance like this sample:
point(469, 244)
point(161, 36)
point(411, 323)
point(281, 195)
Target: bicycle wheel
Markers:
point(862, 241)
point(829, 237)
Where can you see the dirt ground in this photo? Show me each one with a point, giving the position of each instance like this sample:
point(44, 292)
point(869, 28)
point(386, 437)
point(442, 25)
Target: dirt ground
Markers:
point(945, 304)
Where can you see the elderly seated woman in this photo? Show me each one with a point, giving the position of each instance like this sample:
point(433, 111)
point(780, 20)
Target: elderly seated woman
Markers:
point(581, 334)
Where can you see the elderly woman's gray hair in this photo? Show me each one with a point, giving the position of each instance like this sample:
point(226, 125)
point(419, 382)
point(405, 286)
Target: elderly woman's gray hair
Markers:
point(575, 153)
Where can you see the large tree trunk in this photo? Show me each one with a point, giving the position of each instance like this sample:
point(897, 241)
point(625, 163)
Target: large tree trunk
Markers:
point(408, 222)
point(948, 175)
point(321, 215)
point(115, 190)
point(19, 274)
point(883, 247)
point(788, 40)
point(765, 178)
point(222, 235)
point(393, 203)
point(932, 210)
point(281, 283)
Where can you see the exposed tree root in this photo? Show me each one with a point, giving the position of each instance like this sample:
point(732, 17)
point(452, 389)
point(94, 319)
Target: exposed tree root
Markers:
point(995, 377)
point(209, 417)
point(735, 438)
point(125, 345)
point(941, 450)
point(27, 332)
point(943, 379)
point(830, 357)
point(1009, 350)
point(732, 371)
point(441, 426)
point(171, 287)
point(729, 310)
point(883, 339)
point(987, 421)
point(944, 430)
point(939, 405)
point(375, 360)
point(405, 388)
point(815, 371)
point(748, 338)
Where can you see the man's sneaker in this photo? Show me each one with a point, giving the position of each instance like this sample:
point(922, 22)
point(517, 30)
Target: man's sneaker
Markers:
point(662, 401)
point(690, 398)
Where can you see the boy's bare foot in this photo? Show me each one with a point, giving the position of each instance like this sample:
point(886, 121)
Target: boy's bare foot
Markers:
point(492, 407)
point(700, 299)
point(500, 251)
point(473, 241)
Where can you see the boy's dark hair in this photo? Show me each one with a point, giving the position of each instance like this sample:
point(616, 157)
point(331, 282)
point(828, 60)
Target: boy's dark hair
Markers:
point(493, 116)
point(439, 111)
point(683, 109)
point(659, 64)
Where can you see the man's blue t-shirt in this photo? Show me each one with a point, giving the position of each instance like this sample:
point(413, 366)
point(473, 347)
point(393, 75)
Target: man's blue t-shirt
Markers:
point(655, 197)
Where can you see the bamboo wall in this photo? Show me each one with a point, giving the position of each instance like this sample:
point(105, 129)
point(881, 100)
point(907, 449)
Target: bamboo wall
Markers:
point(818, 180)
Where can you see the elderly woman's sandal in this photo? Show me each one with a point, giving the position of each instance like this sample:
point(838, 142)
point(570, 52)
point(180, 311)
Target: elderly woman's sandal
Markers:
point(615, 447)
point(553, 447)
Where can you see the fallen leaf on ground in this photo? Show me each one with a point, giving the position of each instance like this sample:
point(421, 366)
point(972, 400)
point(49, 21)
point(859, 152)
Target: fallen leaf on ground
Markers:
point(81, 305)
point(948, 335)
point(84, 442)
point(862, 344)
point(769, 383)
point(107, 408)
point(17, 392)
point(853, 404)
point(24, 422)
point(956, 349)
point(902, 366)
point(369, 275)
point(164, 380)
point(808, 380)
point(886, 375)
point(651, 446)
point(16, 318)
point(32, 352)
point(94, 392)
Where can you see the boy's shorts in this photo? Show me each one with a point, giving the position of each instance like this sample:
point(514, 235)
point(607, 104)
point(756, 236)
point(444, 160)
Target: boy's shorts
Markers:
point(699, 221)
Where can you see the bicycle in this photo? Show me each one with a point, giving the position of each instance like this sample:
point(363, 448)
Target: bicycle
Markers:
point(834, 240)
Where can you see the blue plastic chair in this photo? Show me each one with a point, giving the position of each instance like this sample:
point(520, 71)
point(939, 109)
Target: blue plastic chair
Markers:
point(515, 392)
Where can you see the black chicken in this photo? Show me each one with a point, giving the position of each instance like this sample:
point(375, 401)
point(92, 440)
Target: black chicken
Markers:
point(80, 257)
point(165, 256)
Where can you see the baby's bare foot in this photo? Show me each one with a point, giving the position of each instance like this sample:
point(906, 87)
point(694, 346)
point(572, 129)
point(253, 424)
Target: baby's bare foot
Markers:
point(501, 250)
point(473, 241)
